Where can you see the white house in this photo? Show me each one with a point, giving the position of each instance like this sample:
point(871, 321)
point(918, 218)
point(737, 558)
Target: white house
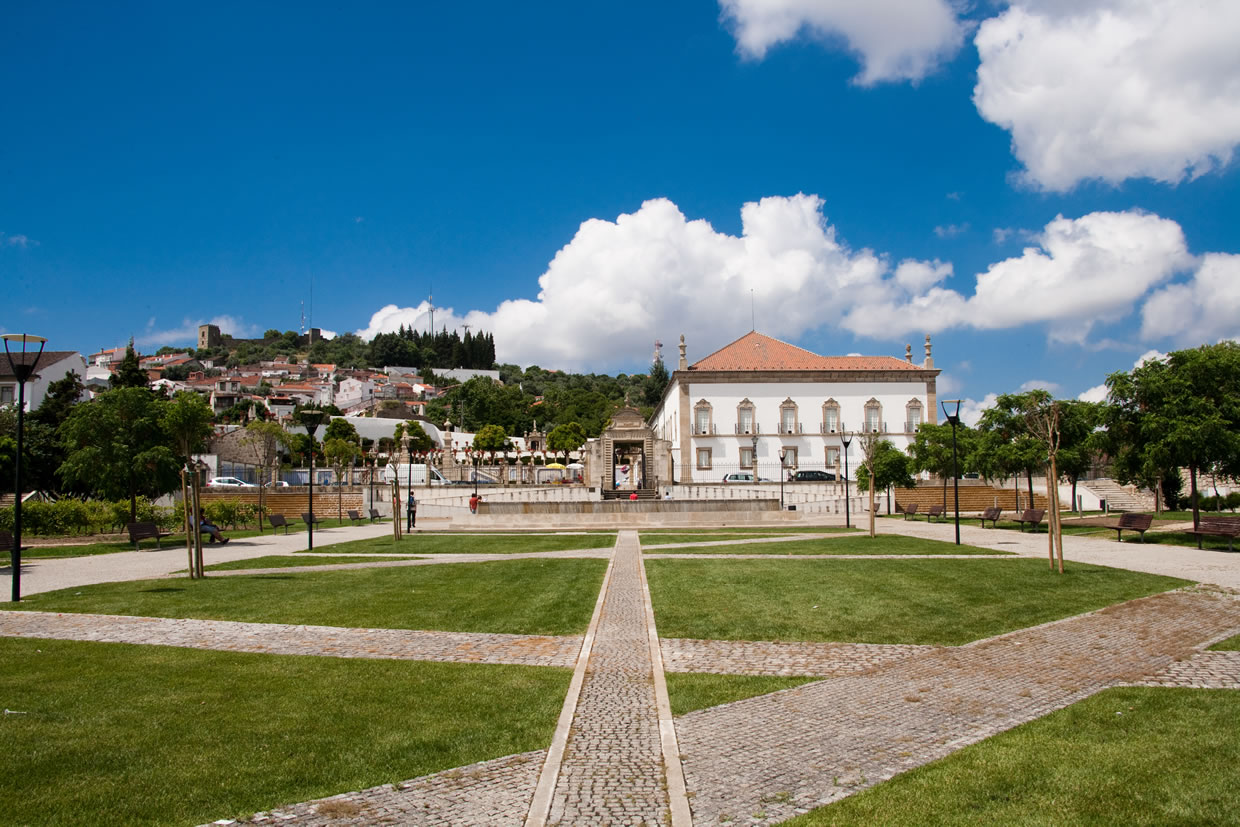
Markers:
point(758, 397)
point(52, 366)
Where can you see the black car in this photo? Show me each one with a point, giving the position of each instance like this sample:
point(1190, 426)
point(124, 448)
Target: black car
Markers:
point(812, 476)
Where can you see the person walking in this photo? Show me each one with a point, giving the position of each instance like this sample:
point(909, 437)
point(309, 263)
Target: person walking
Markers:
point(411, 512)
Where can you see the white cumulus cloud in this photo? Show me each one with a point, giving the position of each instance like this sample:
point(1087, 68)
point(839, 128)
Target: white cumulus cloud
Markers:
point(1084, 270)
point(1113, 89)
point(971, 409)
point(1098, 393)
point(1206, 308)
point(894, 39)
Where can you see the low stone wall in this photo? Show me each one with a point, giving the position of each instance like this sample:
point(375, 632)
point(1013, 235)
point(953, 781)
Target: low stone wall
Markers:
point(628, 507)
point(291, 503)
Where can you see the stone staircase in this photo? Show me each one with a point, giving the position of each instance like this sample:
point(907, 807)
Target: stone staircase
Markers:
point(623, 494)
point(1120, 497)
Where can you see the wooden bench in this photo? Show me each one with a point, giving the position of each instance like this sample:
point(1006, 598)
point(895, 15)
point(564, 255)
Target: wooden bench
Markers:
point(934, 511)
point(910, 511)
point(1033, 516)
point(1131, 522)
point(355, 517)
point(374, 514)
point(6, 542)
point(1228, 527)
point(310, 519)
point(993, 515)
point(278, 521)
point(144, 531)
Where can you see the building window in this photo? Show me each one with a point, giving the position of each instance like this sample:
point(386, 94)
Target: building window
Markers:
point(833, 457)
point(831, 417)
point(873, 417)
point(913, 418)
point(6, 395)
point(789, 457)
point(788, 417)
point(703, 458)
point(745, 423)
point(747, 458)
point(702, 423)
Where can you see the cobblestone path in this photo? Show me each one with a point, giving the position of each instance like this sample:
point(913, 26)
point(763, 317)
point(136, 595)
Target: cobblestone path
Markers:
point(764, 759)
point(1204, 670)
point(748, 657)
point(279, 639)
point(612, 770)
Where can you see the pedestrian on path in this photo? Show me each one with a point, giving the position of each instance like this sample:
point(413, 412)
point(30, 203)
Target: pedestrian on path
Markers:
point(411, 512)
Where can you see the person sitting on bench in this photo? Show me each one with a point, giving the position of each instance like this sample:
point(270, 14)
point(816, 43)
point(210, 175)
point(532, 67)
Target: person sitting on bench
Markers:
point(208, 528)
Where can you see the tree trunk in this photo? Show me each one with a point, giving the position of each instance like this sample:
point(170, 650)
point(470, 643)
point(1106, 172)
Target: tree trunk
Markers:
point(1052, 488)
point(872, 532)
point(1192, 477)
point(194, 492)
point(1075, 501)
point(945, 493)
point(1029, 477)
point(187, 517)
point(1016, 489)
point(1158, 497)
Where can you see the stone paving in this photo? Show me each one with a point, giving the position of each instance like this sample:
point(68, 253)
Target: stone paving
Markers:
point(749, 657)
point(765, 759)
point(612, 770)
point(1204, 670)
point(279, 639)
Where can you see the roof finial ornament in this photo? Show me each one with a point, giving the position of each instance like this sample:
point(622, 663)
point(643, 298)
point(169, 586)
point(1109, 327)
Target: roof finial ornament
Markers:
point(683, 363)
point(908, 354)
point(929, 359)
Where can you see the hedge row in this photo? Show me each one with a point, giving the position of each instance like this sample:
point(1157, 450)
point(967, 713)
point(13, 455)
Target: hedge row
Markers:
point(69, 517)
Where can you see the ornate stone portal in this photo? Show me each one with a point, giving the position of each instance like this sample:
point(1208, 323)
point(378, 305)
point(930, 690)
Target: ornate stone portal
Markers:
point(625, 458)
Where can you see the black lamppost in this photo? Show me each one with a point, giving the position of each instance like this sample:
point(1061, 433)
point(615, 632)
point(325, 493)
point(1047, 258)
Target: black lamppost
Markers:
point(953, 419)
point(23, 370)
point(312, 420)
point(474, 461)
point(783, 455)
point(754, 441)
point(846, 441)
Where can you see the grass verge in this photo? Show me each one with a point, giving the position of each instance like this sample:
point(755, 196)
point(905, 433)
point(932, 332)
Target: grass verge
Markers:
point(473, 544)
point(692, 691)
point(162, 735)
point(682, 536)
point(1232, 644)
point(1124, 756)
point(860, 544)
point(534, 597)
point(946, 602)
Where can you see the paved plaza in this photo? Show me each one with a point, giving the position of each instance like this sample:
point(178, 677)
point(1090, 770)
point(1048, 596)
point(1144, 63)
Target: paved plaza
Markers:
point(618, 756)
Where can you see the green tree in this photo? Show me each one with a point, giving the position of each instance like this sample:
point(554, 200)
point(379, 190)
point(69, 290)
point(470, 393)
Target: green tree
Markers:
point(419, 439)
point(266, 440)
point(1080, 440)
point(341, 428)
point(1005, 447)
point(656, 382)
point(566, 438)
point(931, 451)
point(891, 467)
point(490, 438)
point(340, 455)
point(1178, 412)
point(116, 447)
point(129, 374)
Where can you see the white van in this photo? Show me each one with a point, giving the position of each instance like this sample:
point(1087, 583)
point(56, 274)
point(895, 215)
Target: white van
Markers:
point(418, 472)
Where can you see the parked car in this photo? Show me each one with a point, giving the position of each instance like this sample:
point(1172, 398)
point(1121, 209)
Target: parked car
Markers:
point(229, 482)
point(744, 476)
point(811, 476)
point(276, 484)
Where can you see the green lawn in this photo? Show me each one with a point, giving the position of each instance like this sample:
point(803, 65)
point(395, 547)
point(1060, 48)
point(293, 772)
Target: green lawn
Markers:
point(119, 734)
point(691, 691)
point(692, 536)
point(1232, 644)
point(948, 602)
point(284, 561)
point(858, 544)
point(544, 597)
point(472, 544)
point(1140, 756)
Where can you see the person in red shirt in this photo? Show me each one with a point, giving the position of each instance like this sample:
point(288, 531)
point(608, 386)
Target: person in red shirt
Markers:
point(473, 504)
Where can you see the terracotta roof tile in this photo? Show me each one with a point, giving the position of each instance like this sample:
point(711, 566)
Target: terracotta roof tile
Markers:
point(756, 351)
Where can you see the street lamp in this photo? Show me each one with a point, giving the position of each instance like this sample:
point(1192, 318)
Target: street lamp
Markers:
point(312, 419)
point(783, 454)
point(846, 441)
point(953, 419)
point(473, 456)
point(753, 440)
point(23, 369)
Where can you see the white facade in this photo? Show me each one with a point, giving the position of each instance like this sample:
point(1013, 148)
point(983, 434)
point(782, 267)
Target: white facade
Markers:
point(740, 408)
point(52, 367)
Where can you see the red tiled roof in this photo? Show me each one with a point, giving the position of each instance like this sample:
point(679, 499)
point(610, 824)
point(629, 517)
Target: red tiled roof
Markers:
point(755, 351)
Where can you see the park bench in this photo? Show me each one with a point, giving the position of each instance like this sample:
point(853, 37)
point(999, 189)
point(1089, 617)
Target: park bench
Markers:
point(1033, 516)
point(910, 511)
point(1228, 527)
point(310, 519)
point(1131, 522)
point(144, 531)
point(934, 511)
point(278, 521)
point(355, 517)
point(991, 514)
point(6, 542)
point(374, 514)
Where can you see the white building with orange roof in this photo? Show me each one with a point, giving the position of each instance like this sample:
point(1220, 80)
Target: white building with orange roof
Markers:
point(739, 408)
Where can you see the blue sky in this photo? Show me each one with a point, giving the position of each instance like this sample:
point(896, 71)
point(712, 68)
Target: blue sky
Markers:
point(1047, 188)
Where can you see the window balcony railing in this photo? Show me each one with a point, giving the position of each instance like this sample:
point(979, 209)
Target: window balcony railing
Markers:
point(911, 427)
point(836, 427)
point(876, 428)
point(751, 428)
point(704, 430)
point(786, 428)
